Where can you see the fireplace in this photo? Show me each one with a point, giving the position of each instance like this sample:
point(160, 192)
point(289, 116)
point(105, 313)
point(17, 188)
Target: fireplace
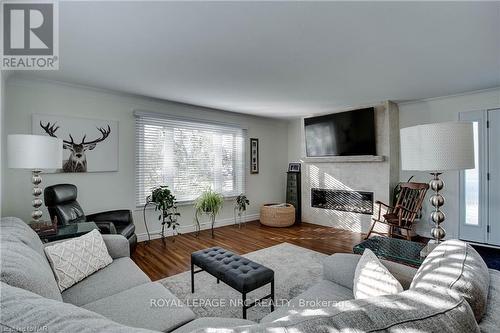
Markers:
point(347, 201)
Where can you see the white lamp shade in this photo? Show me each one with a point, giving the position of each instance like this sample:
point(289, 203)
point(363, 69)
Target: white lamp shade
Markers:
point(438, 147)
point(34, 152)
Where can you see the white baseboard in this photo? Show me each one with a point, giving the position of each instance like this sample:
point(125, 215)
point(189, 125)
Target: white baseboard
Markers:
point(191, 228)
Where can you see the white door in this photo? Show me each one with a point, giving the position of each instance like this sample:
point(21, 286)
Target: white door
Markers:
point(473, 186)
point(494, 177)
point(480, 187)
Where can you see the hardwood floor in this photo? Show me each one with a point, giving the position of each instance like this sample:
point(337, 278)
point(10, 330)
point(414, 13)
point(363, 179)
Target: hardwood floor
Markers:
point(159, 259)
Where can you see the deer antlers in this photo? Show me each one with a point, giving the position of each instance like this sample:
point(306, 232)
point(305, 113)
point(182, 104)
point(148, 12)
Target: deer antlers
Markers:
point(104, 133)
point(51, 130)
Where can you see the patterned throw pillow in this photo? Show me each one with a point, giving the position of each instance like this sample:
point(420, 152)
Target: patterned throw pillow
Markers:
point(372, 278)
point(77, 258)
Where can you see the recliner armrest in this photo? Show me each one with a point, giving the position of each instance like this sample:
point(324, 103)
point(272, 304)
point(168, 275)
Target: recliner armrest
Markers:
point(117, 245)
point(106, 227)
point(120, 216)
point(340, 267)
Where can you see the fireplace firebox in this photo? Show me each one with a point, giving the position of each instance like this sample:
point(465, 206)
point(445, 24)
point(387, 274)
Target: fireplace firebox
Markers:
point(343, 200)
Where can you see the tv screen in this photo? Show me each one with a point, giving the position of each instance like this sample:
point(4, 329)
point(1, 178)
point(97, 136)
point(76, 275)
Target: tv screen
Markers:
point(341, 134)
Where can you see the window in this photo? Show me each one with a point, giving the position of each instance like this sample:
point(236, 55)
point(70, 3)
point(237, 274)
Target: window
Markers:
point(189, 156)
point(471, 182)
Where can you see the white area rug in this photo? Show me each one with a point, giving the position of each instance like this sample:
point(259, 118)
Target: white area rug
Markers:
point(295, 270)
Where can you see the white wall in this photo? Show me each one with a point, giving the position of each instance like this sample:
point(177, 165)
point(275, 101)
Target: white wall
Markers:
point(296, 140)
point(114, 190)
point(440, 110)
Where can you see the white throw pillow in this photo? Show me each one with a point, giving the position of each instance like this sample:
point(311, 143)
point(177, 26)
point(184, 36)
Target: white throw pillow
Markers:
point(75, 259)
point(372, 278)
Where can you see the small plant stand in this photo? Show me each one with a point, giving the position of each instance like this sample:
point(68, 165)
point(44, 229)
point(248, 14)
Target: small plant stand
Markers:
point(239, 217)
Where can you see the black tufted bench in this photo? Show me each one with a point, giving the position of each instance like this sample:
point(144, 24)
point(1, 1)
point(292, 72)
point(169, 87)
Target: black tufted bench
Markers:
point(237, 272)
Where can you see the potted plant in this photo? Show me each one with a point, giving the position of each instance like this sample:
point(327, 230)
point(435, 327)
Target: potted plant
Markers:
point(208, 203)
point(240, 208)
point(166, 204)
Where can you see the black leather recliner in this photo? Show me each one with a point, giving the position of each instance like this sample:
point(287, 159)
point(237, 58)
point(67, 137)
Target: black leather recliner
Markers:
point(61, 202)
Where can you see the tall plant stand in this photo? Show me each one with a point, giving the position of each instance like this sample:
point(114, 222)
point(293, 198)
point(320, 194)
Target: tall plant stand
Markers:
point(173, 221)
point(197, 224)
point(239, 216)
point(163, 222)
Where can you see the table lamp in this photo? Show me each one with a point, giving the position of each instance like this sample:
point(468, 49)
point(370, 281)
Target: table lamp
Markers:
point(436, 148)
point(34, 152)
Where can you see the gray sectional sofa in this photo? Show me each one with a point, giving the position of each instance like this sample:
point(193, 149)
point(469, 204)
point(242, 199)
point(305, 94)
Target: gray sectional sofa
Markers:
point(115, 298)
point(453, 291)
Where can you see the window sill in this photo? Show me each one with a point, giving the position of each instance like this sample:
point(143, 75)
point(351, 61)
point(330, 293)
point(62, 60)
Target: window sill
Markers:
point(180, 203)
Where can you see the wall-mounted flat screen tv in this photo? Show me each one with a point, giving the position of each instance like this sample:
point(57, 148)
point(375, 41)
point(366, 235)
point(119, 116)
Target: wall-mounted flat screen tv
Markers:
point(341, 134)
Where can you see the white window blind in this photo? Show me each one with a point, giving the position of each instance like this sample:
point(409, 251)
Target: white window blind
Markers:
point(189, 156)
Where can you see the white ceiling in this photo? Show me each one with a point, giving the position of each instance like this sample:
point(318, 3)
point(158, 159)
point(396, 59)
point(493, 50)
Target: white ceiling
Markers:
point(280, 59)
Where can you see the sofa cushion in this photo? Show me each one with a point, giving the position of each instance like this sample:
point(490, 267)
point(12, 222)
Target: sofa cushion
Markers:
point(213, 324)
point(324, 290)
point(455, 266)
point(120, 275)
point(491, 319)
point(372, 278)
point(322, 294)
point(23, 311)
point(340, 268)
point(409, 311)
point(16, 230)
point(150, 305)
point(75, 259)
point(25, 268)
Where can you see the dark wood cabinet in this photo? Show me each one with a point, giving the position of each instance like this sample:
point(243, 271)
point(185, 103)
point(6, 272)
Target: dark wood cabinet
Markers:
point(293, 193)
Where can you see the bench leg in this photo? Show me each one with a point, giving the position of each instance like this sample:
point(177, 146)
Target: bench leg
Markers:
point(192, 278)
point(244, 298)
point(272, 295)
point(218, 281)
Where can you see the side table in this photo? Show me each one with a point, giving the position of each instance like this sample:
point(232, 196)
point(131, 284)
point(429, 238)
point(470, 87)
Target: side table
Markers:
point(70, 231)
point(393, 249)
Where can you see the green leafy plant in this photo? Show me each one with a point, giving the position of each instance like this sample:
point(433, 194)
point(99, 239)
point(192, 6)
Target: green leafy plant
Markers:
point(240, 206)
point(166, 204)
point(209, 203)
point(241, 203)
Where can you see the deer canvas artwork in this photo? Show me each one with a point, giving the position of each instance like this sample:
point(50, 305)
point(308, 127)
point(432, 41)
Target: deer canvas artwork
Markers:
point(89, 145)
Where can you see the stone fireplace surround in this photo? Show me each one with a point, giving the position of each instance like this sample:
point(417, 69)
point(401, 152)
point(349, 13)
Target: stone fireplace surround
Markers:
point(376, 174)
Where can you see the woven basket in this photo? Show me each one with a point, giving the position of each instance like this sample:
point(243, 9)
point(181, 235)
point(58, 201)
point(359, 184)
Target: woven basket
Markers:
point(277, 216)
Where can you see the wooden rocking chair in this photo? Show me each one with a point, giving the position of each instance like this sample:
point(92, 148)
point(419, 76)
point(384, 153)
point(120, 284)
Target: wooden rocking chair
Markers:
point(404, 212)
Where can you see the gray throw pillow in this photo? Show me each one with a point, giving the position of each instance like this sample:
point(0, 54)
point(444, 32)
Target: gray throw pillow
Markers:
point(75, 259)
point(455, 267)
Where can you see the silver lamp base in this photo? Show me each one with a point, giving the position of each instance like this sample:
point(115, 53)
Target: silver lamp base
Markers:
point(36, 179)
point(437, 216)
